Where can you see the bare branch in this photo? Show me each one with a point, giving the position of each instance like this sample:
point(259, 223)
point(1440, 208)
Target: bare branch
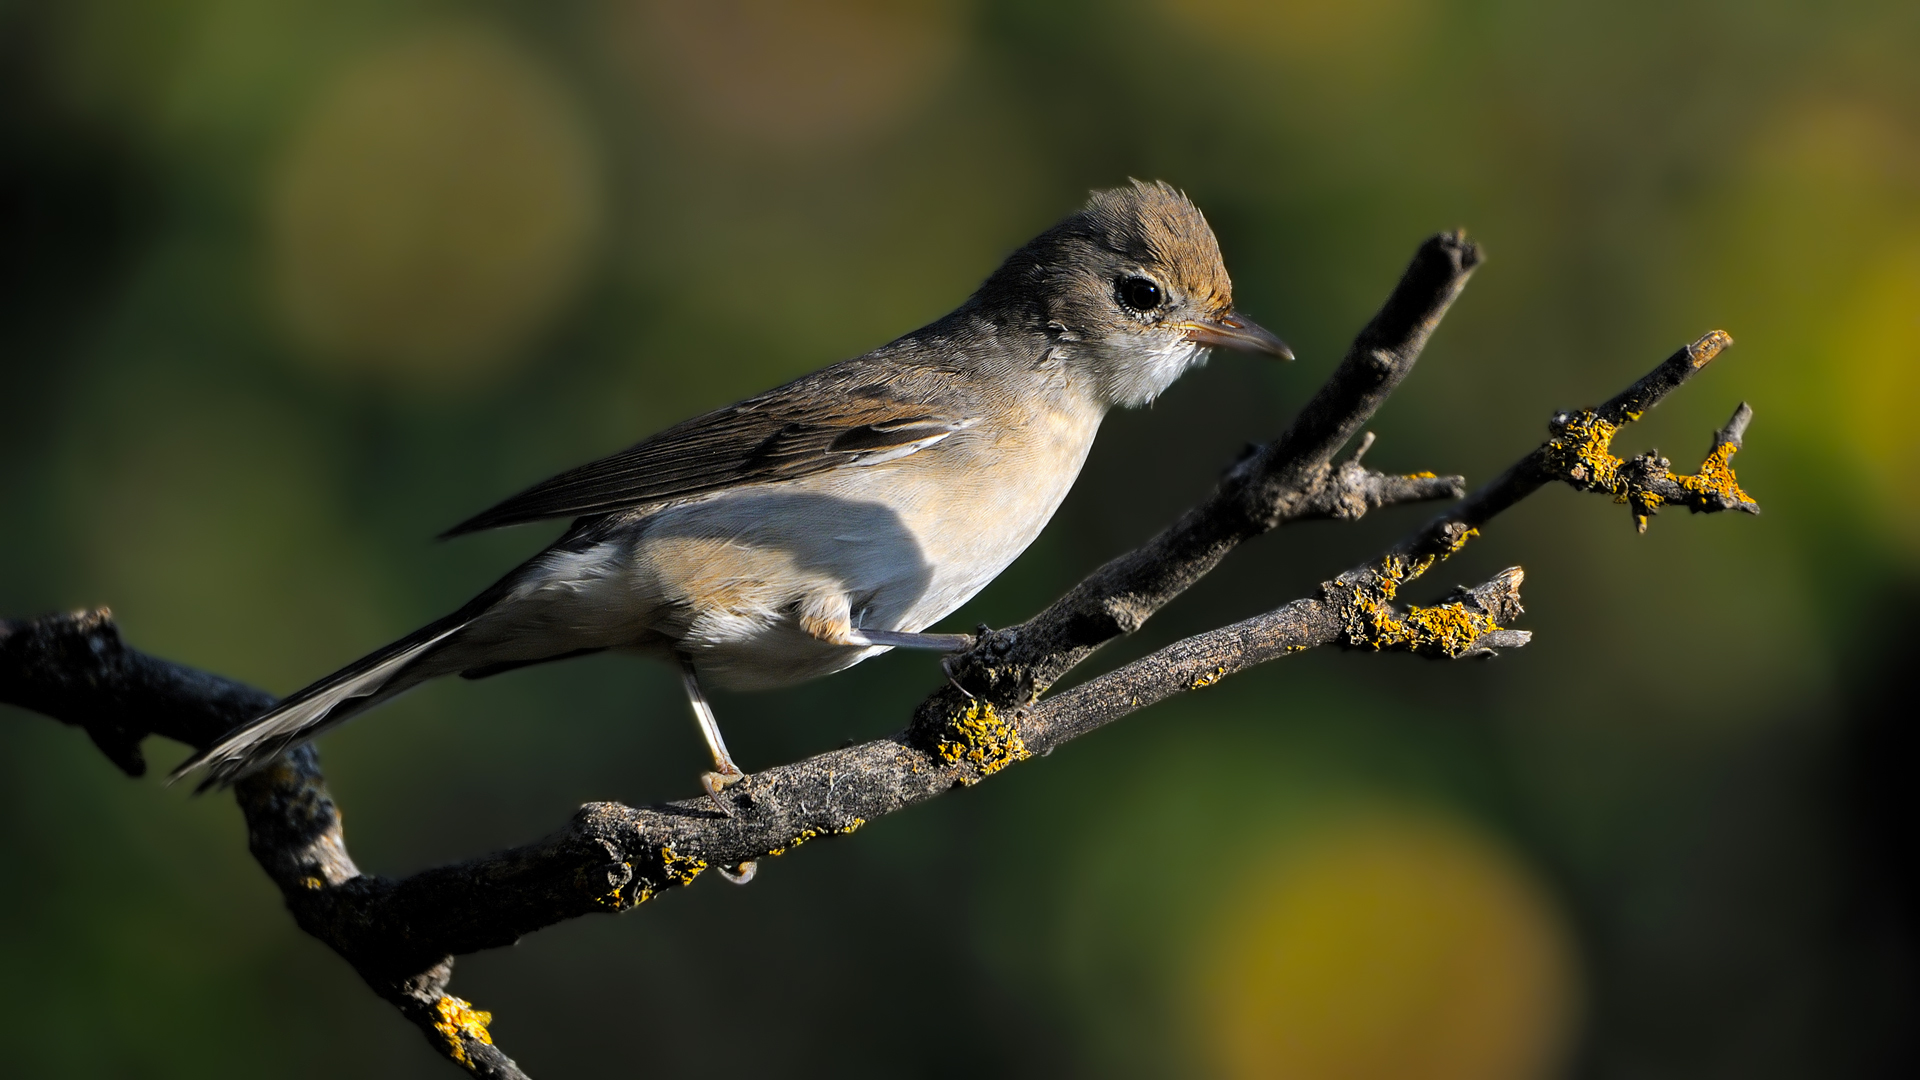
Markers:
point(76, 669)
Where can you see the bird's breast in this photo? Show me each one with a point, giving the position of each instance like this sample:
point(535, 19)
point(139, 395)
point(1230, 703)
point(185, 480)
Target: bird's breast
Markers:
point(900, 544)
point(974, 510)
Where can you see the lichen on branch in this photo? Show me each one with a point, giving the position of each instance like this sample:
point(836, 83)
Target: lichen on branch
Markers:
point(1580, 449)
point(1580, 453)
point(977, 739)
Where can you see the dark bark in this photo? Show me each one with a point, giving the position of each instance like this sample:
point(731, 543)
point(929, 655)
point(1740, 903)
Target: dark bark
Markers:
point(402, 935)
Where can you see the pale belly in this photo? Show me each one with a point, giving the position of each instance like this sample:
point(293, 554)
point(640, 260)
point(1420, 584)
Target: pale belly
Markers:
point(729, 580)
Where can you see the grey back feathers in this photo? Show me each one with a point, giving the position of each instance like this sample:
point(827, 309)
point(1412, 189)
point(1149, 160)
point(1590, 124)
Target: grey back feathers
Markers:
point(805, 427)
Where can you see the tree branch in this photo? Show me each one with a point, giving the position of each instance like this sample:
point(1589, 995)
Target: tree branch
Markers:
point(1355, 610)
point(402, 935)
point(76, 669)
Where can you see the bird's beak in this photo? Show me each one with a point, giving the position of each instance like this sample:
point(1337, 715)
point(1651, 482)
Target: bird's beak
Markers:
point(1235, 331)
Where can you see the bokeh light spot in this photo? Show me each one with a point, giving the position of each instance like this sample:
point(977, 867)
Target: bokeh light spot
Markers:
point(434, 211)
point(1882, 383)
point(1391, 946)
point(792, 74)
point(1822, 243)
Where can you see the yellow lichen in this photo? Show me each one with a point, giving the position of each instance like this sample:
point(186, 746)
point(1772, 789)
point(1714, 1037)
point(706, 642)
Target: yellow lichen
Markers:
point(802, 837)
point(614, 900)
point(1449, 629)
point(457, 1019)
point(1446, 629)
point(1583, 453)
point(1715, 479)
point(1396, 571)
point(675, 869)
point(680, 869)
point(814, 834)
point(1372, 623)
point(1208, 678)
point(312, 883)
point(979, 736)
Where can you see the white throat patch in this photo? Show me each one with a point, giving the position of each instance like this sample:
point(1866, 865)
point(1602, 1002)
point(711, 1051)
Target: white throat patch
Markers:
point(1134, 375)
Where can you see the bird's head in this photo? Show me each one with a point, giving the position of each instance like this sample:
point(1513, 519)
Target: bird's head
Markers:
point(1132, 290)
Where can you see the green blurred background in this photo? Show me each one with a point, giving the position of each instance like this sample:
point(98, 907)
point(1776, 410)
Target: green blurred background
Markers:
point(287, 287)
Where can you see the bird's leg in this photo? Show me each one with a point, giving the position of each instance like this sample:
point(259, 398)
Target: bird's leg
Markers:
point(946, 643)
point(725, 773)
point(840, 630)
point(827, 617)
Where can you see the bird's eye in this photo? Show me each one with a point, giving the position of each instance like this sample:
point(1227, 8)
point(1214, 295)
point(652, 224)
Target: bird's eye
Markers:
point(1140, 294)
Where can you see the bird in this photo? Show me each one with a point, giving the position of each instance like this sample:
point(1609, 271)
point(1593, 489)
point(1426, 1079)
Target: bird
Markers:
point(799, 532)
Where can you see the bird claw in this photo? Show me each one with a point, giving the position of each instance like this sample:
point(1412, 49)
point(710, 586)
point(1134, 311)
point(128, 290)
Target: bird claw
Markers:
point(741, 874)
point(946, 668)
point(715, 783)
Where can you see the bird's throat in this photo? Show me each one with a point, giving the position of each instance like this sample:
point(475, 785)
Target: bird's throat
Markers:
point(1136, 372)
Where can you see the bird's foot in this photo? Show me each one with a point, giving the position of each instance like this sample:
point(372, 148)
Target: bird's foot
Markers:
point(717, 782)
point(946, 668)
point(741, 874)
point(983, 633)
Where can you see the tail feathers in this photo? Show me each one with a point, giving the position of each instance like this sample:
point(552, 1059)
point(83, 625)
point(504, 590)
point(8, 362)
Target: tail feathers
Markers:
point(328, 703)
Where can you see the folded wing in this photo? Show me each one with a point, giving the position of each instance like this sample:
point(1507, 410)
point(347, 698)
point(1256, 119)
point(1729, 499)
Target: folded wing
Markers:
point(783, 435)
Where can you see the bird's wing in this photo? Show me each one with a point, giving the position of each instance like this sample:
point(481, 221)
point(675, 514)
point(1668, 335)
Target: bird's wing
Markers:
point(787, 433)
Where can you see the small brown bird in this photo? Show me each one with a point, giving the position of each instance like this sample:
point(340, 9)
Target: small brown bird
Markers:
point(799, 532)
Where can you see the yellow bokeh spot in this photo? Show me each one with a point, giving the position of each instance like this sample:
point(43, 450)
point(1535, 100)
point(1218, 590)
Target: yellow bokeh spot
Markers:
point(1821, 258)
point(1393, 946)
point(1879, 335)
point(793, 74)
point(433, 211)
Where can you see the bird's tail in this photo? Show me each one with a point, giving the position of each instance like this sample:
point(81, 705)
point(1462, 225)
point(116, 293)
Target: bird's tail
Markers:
point(328, 703)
